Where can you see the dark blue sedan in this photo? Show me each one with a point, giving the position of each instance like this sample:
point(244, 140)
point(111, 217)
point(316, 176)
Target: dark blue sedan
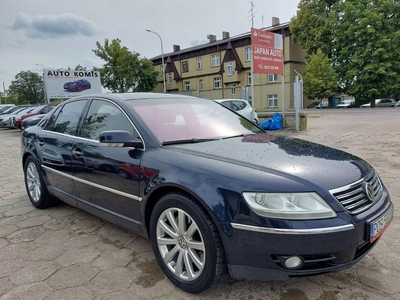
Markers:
point(210, 189)
point(77, 85)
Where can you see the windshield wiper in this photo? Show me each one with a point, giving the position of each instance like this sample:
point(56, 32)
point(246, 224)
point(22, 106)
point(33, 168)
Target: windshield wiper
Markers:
point(234, 136)
point(189, 141)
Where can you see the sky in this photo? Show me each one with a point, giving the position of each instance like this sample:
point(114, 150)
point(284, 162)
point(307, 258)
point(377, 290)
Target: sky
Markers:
point(60, 34)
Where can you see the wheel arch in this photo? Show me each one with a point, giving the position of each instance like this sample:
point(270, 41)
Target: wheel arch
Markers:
point(156, 195)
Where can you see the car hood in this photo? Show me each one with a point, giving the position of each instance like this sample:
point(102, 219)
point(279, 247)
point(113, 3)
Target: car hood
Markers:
point(308, 163)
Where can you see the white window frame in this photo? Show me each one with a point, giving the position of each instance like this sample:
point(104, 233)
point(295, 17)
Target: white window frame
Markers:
point(272, 77)
point(201, 84)
point(249, 78)
point(199, 63)
point(248, 54)
point(186, 62)
point(233, 89)
point(230, 68)
point(215, 60)
point(187, 85)
point(217, 83)
point(273, 99)
point(169, 78)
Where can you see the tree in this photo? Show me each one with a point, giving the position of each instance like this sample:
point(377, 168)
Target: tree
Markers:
point(27, 87)
point(320, 79)
point(367, 45)
point(124, 71)
point(314, 24)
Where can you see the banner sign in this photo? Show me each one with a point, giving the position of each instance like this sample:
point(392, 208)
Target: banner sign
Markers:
point(70, 83)
point(267, 52)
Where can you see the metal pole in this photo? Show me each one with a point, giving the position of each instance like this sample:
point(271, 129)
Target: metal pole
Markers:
point(162, 59)
point(301, 89)
point(44, 86)
point(296, 101)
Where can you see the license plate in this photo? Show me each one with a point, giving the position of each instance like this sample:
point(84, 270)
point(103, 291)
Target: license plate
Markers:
point(379, 225)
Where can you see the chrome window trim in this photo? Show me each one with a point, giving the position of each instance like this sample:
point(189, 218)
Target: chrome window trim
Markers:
point(293, 231)
point(112, 102)
point(93, 184)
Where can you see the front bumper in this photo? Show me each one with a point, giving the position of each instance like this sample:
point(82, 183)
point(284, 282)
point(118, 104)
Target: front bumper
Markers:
point(257, 255)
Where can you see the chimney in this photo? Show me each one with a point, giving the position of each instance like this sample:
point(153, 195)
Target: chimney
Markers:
point(275, 21)
point(212, 37)
point(177, 48)
point(225, 35)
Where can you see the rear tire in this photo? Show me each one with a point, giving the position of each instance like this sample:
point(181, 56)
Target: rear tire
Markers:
point(35, 185)
point(186, 243)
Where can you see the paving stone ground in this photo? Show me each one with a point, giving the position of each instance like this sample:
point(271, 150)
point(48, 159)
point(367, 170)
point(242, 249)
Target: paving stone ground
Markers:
point(65, 253)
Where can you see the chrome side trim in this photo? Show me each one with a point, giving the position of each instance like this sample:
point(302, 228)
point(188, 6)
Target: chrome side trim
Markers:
point(93, 184)
point(293, 231)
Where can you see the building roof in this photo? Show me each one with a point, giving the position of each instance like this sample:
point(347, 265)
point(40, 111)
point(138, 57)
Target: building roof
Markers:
point(275, 28)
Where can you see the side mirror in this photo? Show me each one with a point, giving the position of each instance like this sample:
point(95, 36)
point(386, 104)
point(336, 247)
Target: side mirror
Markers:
point(119, 138)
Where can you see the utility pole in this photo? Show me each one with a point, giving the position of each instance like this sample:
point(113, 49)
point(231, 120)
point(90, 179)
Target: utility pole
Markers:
point(251, 63)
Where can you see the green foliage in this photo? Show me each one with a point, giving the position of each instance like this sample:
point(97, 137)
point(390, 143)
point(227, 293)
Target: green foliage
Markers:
point(77, 68)
point(362, 39)
point(314, 25)
point(367, 48)
point(124, 71)
point(320, 79)
point(27, 88)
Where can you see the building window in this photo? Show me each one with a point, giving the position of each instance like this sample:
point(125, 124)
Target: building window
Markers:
point(169, 78)
point(185, 66)
point(199, 63)
point(215, 60)
point(233, 89)
point(187, 85)
point(272, 77)
point(201, 84)
point(248, 54)
point(217, 83)
point(249, 78)
point(273, 100)
point(230, 68)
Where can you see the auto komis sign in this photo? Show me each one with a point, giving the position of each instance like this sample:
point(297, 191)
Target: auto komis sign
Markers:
point(71, 83)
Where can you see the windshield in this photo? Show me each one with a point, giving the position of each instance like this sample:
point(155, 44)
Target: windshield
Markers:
point(191, 119)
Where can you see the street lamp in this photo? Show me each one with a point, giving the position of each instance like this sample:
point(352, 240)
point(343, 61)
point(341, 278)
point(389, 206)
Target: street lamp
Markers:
point(162, 58)
point(44, 86)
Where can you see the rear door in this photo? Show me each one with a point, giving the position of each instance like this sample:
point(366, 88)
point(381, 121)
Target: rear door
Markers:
point(55, 146)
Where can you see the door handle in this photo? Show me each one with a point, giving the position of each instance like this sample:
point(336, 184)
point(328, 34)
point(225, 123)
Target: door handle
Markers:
point(77, 152)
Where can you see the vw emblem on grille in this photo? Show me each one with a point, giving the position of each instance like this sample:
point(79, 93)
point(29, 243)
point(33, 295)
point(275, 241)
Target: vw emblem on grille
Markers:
point(369, 191)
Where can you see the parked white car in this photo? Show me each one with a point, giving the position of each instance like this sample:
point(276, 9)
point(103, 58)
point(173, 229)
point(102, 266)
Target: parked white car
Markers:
point(241, 106)
point(381, 103)
point(346, 104)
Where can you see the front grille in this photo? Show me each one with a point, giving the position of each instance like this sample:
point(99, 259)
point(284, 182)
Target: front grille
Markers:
point(354, 198)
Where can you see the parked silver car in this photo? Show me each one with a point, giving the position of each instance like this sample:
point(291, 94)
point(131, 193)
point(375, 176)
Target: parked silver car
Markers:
point(381, 103)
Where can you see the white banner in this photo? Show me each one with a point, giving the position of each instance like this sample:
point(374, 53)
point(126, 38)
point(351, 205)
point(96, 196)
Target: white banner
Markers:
point(70, 83)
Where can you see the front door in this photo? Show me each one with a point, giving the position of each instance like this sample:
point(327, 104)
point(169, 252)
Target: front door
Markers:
point(109, 179)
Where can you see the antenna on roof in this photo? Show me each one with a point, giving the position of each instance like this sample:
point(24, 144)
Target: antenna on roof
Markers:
point(252, 13)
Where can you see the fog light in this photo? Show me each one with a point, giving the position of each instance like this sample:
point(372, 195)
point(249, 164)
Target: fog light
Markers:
point(293, 262)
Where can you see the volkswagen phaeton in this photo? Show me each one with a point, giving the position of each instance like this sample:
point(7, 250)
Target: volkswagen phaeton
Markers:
point(210, 189)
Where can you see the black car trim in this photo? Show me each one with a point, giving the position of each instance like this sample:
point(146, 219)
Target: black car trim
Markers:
point(294, 231)
point(93, 184)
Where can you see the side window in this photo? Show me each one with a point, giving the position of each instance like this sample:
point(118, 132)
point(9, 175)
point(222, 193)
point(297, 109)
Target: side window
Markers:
point(47, 109)
point(52, 120)
point(103, 116)
point(227, 104)
point(239, 104)
point(68, 118)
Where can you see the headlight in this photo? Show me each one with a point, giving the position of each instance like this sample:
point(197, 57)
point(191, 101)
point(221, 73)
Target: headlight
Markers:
point(293, 206)
point(18, 118)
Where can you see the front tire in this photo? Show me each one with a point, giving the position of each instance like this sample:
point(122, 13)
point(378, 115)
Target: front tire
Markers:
point(186, 243)
point(35, 185)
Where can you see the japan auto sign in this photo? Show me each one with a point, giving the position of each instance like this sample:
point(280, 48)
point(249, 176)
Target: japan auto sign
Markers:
point(267, 52)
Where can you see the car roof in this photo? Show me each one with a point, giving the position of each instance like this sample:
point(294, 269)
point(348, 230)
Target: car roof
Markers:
point(138, 96)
